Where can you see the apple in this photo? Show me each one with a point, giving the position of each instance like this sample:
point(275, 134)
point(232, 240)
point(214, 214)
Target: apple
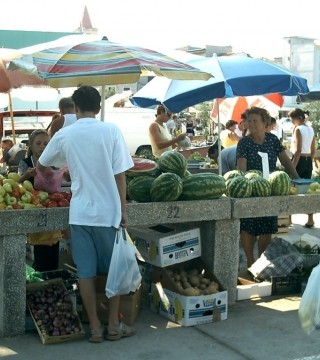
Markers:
point(27, 197)
point(52, 204)
point(43, 195)
point(28, 185)
point(16, 206)
point(12, 182)
point(21, 203)
point(10, 200)
point(16, 193)
point(7, 187)
point(14, 176)
point(29, 206)
point(56, 196)
point(314, 186)
point(63, 203)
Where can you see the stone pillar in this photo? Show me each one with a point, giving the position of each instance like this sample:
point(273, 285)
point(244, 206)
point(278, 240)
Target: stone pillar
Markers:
point(12, 285)
point(220, 241)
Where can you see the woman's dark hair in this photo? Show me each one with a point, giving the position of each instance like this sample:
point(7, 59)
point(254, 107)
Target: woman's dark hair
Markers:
point(161, 109)
point(230, 123)
point(265, 116)
point(87, 98)
point(298, 114)
point(32, 137)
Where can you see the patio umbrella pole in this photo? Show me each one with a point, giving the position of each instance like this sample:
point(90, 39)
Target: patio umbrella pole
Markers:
point(103, 106)
point(219, 141)
point(12, 120)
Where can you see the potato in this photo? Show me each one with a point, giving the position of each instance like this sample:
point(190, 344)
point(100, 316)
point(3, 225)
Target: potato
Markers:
point(183, 273)
point(205, 281)
point(194, 272)
point(194, 280)
point(177, 277)
point(202, 286)
point(186, 285)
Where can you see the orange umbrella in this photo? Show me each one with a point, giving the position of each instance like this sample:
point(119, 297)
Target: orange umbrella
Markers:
point(232, 108)
point(14, 79)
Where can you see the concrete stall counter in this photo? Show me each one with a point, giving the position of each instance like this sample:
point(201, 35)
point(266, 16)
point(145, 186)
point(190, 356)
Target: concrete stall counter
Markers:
point(218, 220)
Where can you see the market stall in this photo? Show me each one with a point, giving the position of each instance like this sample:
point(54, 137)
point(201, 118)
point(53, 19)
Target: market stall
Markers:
point(218, 220)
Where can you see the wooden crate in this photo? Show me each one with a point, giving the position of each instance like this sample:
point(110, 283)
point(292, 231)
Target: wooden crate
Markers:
point(46, 339)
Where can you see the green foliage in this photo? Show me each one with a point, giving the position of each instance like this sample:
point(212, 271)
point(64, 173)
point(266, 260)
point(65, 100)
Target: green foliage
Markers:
point(314, 115)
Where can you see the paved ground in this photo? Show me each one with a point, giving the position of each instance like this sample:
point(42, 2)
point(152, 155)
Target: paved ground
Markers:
point(257, 329)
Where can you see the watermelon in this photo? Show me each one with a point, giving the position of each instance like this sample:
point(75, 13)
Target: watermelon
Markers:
point(166, 187)
point(238, 187)
point(141, 167)
point(253, 171)
point(202, 186)
point(232, 173)
point(185, 143)
point(260, 186)
point(139, 188)
point(280, 183)
point(172, 162)
point(251, 175)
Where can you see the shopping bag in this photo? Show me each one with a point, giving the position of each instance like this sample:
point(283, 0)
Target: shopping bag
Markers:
point(279, 259)
point(309, 309)
point(50, 180)
point(124, 274)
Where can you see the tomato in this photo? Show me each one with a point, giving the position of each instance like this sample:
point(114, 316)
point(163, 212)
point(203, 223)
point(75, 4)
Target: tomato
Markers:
point(16, 193)
point(16, 206)
point(52, 203)
point(56, 196)
point(63, 203)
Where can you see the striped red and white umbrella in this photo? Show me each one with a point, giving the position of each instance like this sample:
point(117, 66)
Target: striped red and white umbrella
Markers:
point(232, 108)
point(93, 60)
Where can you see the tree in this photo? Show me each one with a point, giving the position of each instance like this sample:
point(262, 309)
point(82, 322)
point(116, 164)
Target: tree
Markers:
point(314, 115)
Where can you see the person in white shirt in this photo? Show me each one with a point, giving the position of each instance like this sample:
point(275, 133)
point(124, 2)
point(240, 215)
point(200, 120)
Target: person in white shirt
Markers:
point(67, 116)
point(97, 158)
point(302, 148)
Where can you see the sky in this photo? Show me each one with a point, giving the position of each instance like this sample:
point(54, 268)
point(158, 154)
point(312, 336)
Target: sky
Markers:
point(256, 27)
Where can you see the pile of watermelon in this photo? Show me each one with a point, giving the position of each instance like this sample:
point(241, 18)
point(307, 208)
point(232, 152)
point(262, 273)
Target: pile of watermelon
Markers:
point(253, 184)
point(168, 180)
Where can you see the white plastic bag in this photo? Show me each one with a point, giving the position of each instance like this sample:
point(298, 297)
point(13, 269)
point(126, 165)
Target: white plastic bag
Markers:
point(124, 273)
point(309, 309)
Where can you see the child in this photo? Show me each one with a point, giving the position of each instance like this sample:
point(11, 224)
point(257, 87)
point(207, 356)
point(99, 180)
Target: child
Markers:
point(46, 257)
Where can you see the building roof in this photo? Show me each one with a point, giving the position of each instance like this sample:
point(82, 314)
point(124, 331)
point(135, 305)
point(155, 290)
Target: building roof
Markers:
point(16, 39)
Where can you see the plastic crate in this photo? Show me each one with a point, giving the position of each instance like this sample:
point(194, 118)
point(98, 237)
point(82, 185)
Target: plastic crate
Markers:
point(69, 278)
point(284, 285)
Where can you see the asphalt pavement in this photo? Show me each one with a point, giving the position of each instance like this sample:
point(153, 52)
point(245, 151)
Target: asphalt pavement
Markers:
point(256, 329)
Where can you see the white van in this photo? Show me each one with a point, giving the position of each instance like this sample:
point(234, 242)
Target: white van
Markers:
point(134, 124)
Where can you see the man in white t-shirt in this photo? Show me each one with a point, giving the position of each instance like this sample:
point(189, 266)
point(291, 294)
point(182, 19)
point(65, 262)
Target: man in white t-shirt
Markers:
point(97, 158)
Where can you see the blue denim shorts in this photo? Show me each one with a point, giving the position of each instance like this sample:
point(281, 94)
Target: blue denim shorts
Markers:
point(91, 248)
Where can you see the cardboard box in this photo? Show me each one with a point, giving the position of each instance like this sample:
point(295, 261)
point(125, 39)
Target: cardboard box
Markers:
point(130, 305)
point(45, 338)
point(247, 289)
point(163, 246)
point(187, 310)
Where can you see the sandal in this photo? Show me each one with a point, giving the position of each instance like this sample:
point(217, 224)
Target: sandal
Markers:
point(118, 332)
point(96, 335)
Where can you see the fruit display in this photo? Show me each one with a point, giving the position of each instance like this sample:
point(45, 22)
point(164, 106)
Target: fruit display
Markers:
point(280, 183)
point(159, 185)
point(166, 187)
point(252, 184)
point(260, 186)
point(138, 188)
point(238, 187)
point(172, 162)
point(314, 188)
point(14, 195)
point(202, 186)
point(53, 311)
point(142, 166)
point(192, 282)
